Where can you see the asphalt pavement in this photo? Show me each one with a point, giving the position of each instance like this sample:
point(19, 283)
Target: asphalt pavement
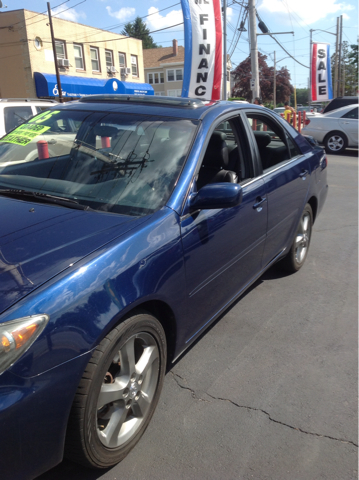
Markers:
point(270, 391)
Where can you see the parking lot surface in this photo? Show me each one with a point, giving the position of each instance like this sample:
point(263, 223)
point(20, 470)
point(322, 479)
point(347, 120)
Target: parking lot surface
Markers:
point(270, 391)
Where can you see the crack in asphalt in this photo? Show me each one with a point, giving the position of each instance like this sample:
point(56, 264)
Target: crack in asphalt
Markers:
point(193, 394)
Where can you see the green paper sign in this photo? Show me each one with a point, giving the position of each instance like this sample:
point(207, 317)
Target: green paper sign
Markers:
point(23, 134)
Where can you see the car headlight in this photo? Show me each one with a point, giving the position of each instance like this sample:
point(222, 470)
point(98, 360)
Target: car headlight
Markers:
point(17, 336)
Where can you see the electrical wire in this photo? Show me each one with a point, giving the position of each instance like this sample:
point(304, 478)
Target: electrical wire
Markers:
point(27, 19)
point(118, 25)
point(55, 14)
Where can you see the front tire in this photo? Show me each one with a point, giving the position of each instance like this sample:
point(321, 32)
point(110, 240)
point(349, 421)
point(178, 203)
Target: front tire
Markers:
point(118, 393)
point(298, 252)
point(335, 142)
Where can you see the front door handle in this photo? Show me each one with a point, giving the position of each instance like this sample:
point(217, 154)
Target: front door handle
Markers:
point(258, 203)
point(303, 174)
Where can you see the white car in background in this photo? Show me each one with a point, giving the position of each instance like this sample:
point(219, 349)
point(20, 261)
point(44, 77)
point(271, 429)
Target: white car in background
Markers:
point(336, 130)
point(15, 111)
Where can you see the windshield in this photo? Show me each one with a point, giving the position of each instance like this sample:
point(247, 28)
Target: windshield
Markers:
point(112, 162)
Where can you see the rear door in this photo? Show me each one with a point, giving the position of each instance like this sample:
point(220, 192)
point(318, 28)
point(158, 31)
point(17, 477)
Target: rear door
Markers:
point(349, 124)
point(286, 176)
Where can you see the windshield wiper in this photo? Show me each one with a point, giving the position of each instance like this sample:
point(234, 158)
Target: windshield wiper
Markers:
point(44, 197)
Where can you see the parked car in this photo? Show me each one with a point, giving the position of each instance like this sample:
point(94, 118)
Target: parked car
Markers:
point(120, 249)
point(340, 102)
point(14, 111)
point(336, 130)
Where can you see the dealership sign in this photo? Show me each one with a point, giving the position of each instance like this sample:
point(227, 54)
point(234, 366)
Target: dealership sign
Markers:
point(321, 77)
point(203, 49)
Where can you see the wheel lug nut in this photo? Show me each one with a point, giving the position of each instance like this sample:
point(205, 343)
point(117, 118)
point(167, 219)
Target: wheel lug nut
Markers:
point(125, 392)
point(128, 404)
point(140, 380)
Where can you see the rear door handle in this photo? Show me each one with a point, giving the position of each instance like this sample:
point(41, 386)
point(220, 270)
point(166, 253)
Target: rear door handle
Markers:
point(304, 174)
point(258, 203)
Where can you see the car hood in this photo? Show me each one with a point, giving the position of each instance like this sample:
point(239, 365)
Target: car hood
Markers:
point(39, 241)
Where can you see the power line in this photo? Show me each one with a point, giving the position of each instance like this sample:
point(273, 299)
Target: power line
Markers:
point(55, 14)
point(118, 25)
point(27, 19)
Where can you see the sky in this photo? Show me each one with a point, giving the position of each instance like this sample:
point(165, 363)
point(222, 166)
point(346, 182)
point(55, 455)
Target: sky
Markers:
point(298, 16)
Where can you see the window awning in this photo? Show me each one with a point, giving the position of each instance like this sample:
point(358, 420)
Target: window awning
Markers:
point(76, 87)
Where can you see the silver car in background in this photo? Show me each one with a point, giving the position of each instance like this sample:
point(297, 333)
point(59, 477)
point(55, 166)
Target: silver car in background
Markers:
point(336, 130)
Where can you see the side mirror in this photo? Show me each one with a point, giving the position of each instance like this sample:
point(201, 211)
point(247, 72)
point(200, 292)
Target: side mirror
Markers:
point(216, 195)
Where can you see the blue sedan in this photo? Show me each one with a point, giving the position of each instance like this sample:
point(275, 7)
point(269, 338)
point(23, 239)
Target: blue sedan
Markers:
point(127, 226)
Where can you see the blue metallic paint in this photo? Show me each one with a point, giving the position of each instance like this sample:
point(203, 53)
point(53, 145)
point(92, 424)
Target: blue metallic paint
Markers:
point(92, 269)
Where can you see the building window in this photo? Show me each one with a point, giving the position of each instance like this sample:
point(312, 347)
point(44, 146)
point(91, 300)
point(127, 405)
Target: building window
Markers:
point(95, 62)
point(122, 59)
point(174, 93)
point(60, 49)
point(175, 75)
point(79, 57)
point(109, 59)
point(160, 94)
point(156, 77)
point(134, 65)
point(179, 74)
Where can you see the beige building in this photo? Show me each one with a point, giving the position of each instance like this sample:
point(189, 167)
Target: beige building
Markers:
point(86, 57)
point(164, 69)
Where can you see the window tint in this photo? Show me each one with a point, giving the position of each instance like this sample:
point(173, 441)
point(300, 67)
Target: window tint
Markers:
point(15, 116)
point(352, 114)
point(270, 139)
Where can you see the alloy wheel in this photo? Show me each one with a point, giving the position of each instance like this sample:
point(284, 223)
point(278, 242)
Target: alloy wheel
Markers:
point(127, 391)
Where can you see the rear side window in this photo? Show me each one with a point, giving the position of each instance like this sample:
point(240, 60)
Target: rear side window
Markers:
point(15, 116)
point(352, 114)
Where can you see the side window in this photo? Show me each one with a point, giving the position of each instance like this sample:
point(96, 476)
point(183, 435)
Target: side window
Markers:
point(352, 114)
point(271, 141)
point(293, 147)
point(223, 160)
point(15, 116)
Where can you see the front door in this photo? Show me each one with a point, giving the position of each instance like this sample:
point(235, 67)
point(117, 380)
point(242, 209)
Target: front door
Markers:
point(223, 247)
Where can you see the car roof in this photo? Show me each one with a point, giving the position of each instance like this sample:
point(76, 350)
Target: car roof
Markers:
point(340, 111)
point(161, 106)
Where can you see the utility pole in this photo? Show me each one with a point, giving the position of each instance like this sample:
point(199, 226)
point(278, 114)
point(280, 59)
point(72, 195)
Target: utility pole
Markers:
point(336, 62)
point(275, 83)
point(254, 50)
point(340, 53)
point(224, 49)
point(55, 56)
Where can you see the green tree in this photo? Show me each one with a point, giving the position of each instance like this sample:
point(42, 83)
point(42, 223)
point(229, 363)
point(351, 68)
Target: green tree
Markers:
point(302, 96)
point(349, 69)
point(242, 76)
point(138, 29)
